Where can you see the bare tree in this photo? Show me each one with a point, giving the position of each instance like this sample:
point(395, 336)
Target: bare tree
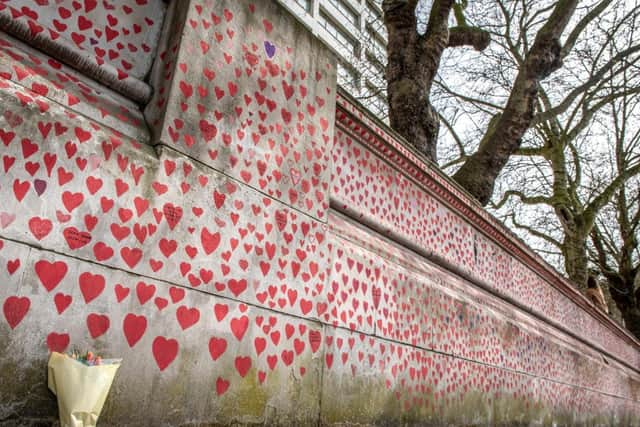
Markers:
point(577, 162)
point(614, 237)
point(614, 251)
point(537, 37)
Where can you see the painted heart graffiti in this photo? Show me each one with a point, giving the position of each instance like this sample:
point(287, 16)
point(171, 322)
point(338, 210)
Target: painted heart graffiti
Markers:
point(266, 253)
point(420, 305)
point(424, 384)
point(239, 97)
point(366, 186)
point(212, 264)
point(150, 320)
point(365, 183)
point(252, 341)
point(122, 33)
point(45, 79)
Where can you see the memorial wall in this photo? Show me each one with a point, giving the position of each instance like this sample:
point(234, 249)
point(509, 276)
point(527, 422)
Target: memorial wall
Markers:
point(182, 185)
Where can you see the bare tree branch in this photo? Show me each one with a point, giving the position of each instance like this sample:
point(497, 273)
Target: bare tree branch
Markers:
point(479, 173)
point(476, 101)
point(582, 25)
point(534, 232)
point(597, 203)
point(527, 200)
point(469, 36)
point(455, 136)
point(596, 77)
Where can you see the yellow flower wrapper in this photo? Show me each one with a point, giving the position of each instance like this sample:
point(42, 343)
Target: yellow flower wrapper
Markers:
point(81, 389)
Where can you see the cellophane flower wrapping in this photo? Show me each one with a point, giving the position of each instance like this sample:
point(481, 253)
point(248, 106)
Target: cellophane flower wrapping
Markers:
point(81, 389)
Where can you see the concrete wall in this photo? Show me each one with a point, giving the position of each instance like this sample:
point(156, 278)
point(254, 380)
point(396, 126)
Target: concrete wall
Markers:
point(123, 35)
point(263, 255)
point(113, 43)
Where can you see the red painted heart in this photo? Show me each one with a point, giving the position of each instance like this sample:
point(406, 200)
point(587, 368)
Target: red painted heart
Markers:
point(164, 351)
point(97, 324)
point(62, 301)
point(15, 308)
point(134, 328)
point(239, 326)
point(50, 273)
point(187, 317)
point(217, 347)
point(57, 342)
point(91, 286)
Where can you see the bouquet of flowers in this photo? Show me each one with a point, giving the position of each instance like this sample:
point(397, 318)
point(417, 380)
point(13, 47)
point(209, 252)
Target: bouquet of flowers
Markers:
point(81, 381)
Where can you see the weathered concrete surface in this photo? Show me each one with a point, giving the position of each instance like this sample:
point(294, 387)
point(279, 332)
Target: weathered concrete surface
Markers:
point(72, 185)
point(187, 356)
point(246, 89)
point(122, 34)
point(379, 181)
point(496, 365)
point(210, 260)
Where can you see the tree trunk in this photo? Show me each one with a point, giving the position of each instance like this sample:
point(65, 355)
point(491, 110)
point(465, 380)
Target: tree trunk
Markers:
point(406, 102)
point(412, 63)
point(574, 251)
point(621, 289)
point(479, 173)
point(631, 316)
point(614, 310)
